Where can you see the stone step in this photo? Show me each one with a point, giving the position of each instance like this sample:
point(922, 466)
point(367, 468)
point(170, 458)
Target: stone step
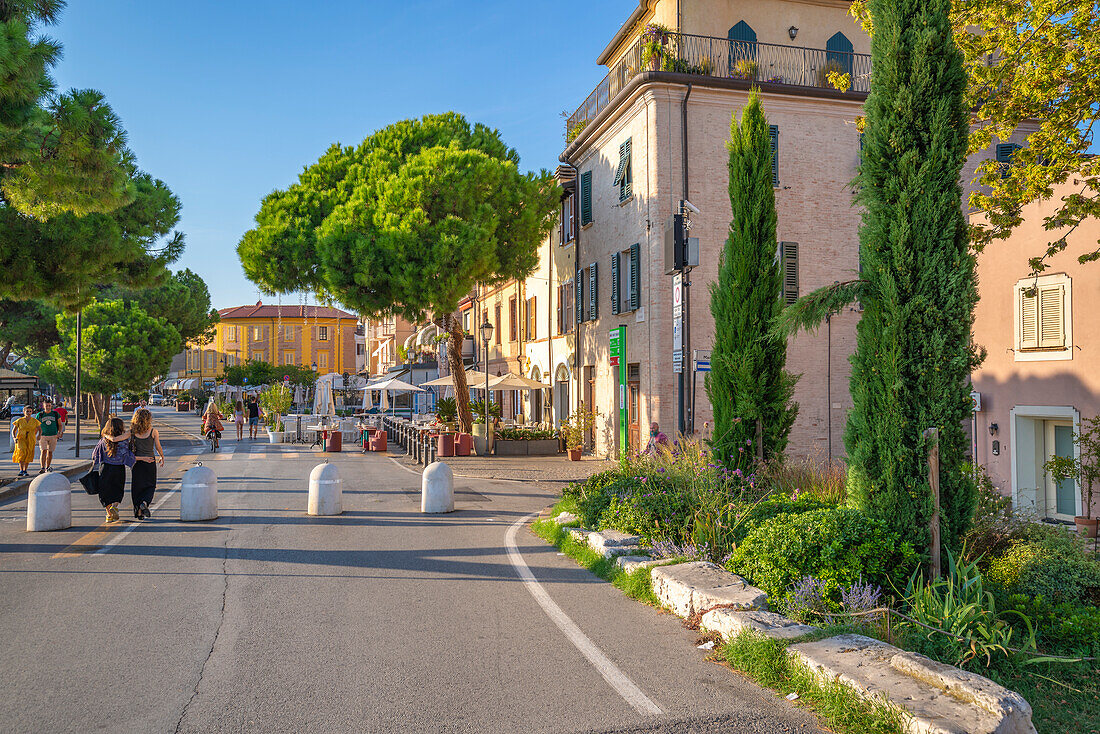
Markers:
point(612, 543)
point(630, 564)
point(729, 622)
point(695, 587)
point(566, 518)
point(936, 698)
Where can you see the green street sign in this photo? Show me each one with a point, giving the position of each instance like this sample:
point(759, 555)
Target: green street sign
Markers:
point(618, 359)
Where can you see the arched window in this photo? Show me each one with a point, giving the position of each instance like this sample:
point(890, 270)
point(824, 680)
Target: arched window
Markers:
point(838, 52)
point(742, 45)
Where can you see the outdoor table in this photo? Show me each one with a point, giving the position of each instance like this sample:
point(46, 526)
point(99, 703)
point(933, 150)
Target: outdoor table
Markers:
point(323, 430)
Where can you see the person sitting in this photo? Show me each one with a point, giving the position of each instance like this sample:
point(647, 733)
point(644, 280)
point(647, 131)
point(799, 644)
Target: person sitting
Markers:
point(212, 421)
point(656, 439)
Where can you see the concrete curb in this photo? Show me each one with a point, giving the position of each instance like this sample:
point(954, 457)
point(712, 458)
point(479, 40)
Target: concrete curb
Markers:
point(17, 489)
point(693, 588)
point(729, 622)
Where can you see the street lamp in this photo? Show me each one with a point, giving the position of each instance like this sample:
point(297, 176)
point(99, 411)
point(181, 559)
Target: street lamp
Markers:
point(486, 335)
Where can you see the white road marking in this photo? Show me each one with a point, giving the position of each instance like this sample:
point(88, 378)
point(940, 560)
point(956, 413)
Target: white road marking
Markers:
point(117, 537)
point(610, 672)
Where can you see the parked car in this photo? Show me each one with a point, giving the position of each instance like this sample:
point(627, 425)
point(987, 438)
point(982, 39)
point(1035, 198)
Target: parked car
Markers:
point(156, 400)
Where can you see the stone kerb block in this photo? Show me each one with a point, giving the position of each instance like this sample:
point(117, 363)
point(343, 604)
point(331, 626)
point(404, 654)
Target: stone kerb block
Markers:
point(198, 494)
point(566, 518)
point(630, 564)
point(437, 493)
point(729, 622)
point(935, 698)
point(610, 543)
point(692, 588)
point(325, 496)
point(49, 503)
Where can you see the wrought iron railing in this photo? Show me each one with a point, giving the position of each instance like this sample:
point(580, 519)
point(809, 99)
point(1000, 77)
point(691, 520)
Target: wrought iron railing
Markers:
point(720, 57)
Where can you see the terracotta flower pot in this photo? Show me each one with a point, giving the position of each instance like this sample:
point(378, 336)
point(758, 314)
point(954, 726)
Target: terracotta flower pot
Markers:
point(1086, 526)
point(575, 455)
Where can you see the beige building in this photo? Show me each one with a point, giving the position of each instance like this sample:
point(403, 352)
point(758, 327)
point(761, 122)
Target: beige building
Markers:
point(381, 339)
point(1039, 378)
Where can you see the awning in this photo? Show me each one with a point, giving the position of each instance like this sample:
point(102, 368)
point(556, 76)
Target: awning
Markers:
point(12, 380)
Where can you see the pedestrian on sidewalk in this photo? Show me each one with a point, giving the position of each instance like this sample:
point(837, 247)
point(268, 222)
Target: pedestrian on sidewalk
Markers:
point(253, 416)
point(144, 445)
point(26, 431)
point(64, 413)
point(238, 419)
point(52, 428)
point(113, 453)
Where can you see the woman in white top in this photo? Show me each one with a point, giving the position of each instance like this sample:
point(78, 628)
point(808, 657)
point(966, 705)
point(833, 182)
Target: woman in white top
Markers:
point(238, 419)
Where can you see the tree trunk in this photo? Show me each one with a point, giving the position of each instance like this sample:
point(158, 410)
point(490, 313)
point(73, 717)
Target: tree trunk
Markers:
point(4, 352)
point(99, 407)
point(458, 372)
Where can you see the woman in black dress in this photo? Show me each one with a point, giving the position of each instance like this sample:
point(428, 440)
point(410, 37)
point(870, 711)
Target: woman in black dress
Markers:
point(145, 445)
point(113, 453)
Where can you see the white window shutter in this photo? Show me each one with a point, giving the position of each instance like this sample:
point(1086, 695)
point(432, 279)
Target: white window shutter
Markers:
point(1052, 332)
point(1029, 319)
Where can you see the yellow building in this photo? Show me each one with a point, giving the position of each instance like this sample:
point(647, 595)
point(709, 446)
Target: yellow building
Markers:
point(320, 337)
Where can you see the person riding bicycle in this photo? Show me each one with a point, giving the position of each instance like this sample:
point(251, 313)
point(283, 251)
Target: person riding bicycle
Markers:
point(212, 421)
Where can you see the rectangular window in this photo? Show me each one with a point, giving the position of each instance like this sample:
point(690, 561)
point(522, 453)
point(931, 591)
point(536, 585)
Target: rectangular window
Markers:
point(231, 333)
point(1005, 153)
point(209, 360)
point(322, 333)
point(788, 266)
point(257, 333)
point(289, 358)
point(567, 310)
point(499, 330)
point(532, 320)
point(593, 308)
point(1043, 314)
point(626, 279)
point(288, 333)
point(322, 360)
point(466, 321)
point(567, 220)
point(773, 133)
point(513, 320)
point(623, 175)
point(586, 198)
point(578, 295)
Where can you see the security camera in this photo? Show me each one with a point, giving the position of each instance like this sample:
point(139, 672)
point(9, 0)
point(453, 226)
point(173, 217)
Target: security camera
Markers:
point(689, 206)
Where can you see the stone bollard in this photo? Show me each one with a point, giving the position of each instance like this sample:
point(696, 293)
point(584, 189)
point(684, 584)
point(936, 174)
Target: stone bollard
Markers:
point(49, 503)
point(199, 494)
point(324, 491)
point(438, 489)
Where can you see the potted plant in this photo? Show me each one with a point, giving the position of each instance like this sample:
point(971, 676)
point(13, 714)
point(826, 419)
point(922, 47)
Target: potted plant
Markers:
point(446, 411)
point(575, 428)
point(744, 69)
point(481, 435)
point(1083, 468)
point(275, 401)
point(654, 38)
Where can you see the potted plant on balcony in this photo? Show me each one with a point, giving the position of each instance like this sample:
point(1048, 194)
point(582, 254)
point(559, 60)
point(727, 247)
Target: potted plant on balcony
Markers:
point(744, 69)
point(1083, 468)
point(574, 430)
point(654, 39)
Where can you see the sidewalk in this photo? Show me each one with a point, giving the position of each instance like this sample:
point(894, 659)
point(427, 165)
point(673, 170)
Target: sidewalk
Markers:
point(518, 468)
point(64, 461)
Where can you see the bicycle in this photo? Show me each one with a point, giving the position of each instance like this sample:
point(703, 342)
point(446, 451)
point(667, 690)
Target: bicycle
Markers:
point(213, 435)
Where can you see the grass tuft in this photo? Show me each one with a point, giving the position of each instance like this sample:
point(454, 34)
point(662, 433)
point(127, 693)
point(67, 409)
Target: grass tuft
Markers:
point(768, 663)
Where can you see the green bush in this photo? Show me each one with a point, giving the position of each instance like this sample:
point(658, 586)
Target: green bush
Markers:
point(837, 545)
point(773, 506)
point(1051, 567)
point(1061, 629)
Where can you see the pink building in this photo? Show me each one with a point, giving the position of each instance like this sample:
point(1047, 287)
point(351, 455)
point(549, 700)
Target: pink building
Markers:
point(1040, 377)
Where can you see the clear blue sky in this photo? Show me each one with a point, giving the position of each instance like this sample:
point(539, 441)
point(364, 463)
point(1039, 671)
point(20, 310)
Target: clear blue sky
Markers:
point(226, 101)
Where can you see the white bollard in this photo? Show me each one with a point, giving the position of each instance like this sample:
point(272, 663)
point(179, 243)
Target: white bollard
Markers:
point(199, 494)
point(49, 503)
point(438, 489)
point(324, 491)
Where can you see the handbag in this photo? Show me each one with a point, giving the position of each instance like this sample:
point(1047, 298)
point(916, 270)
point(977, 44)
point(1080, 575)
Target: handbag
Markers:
point(90, 481)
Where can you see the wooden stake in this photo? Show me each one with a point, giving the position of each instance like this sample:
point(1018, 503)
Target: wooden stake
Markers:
point(933, 435)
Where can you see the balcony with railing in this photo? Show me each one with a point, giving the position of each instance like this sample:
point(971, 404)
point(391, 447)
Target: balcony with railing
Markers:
point(753, 63)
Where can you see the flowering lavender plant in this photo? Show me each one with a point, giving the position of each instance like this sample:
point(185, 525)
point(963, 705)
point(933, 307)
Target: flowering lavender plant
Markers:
point(807, 599)
point(671, 549)
point(860, 597)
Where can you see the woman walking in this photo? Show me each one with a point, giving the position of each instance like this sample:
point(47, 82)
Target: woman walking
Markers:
point(114, 454)
point(25, 431)
point(145, 445)
point(238, 419)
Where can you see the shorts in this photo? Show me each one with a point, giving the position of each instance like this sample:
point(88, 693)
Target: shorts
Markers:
point(253, 421)
point(47, 443)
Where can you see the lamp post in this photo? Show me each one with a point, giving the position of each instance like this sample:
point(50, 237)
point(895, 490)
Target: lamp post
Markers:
point(486, 335)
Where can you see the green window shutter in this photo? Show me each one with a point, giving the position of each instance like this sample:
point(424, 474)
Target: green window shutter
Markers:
point(622, 163)
point(593, 294)
point(615, 290)
point(635, 276)
point(789, 266)
point(586, 198)
point(625, 186)
point(773, 133)
point(1005, 153)
point(578, 294)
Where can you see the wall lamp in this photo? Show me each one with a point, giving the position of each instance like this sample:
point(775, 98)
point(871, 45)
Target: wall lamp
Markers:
point(993, 428)
point(792, 32)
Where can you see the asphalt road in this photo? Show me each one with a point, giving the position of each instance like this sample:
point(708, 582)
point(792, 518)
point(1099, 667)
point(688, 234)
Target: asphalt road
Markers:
point(379, 620)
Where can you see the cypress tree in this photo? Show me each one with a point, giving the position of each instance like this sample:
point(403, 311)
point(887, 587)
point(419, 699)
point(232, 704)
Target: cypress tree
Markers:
point(747, 381)
point(912, 363)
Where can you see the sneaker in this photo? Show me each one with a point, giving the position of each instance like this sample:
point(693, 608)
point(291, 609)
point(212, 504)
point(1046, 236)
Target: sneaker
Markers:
point(21, 473)
point(145, 510)
point(112, 512)
point(42, 470)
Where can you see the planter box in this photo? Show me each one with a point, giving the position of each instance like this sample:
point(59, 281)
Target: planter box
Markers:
point(128, 407)
point(275, 436)
point(182, 407)
point(508, 447)
point(542, 447)
point(513, 447)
